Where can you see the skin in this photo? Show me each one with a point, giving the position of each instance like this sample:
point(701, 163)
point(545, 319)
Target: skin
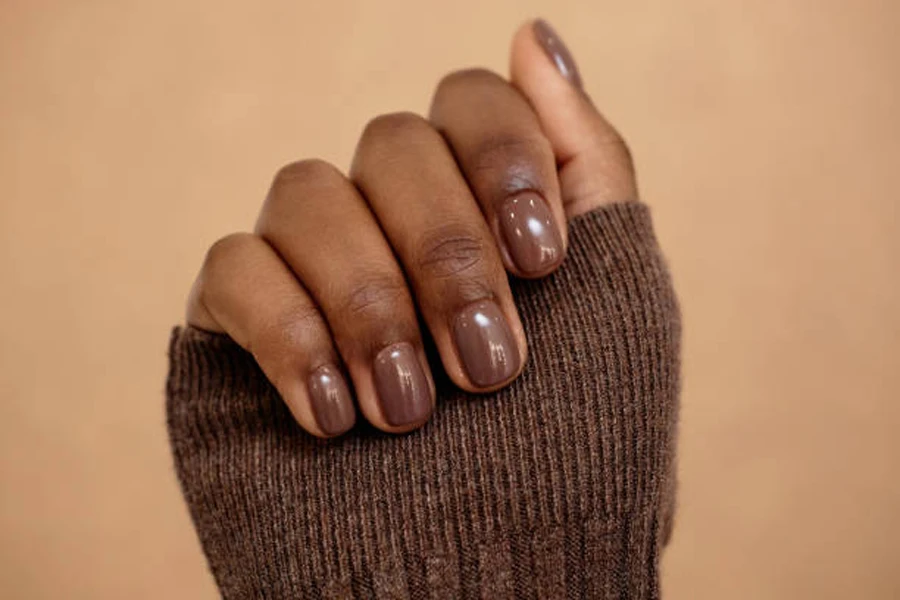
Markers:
point(339, 264)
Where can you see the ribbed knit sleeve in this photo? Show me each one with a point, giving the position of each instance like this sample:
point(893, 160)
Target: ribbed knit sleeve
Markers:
point(558, 486)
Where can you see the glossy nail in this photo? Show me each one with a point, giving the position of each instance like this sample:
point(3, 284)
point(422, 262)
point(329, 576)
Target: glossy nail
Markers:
point(402, 386)
point(557, 51)
point(485, 344)
point(330, 399)
point(529, 231)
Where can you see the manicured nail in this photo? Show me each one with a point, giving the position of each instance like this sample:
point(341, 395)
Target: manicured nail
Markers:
point(401, 385)
point(486, 344)
point(530, 233)
point(330, 399)
point(557, 51)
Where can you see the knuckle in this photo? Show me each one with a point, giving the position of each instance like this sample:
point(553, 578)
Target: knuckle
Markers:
point(392, 126)
point(216, 270)
point(292, 184)
point(305, 171)
point(466, 77)
point(451, 251)
point(291, 328)
point(223, 252)
point(296, 320)
point(610, 144)
point(385, 140)
point(624, 152)
point(375, 298)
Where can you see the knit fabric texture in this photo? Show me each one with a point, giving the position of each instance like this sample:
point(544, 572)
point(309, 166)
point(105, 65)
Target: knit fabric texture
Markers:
point(559, 486)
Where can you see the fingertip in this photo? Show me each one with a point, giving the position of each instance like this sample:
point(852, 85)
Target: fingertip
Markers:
point(297, 396)
point(330, 398)
point(543, 69)
point(531, 234)
point(534, 53)
point(395, 390)
point(593, 161)
point(557, 51)
point(489, 347)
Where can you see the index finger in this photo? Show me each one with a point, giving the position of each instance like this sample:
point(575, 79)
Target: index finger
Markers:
point(509, 164)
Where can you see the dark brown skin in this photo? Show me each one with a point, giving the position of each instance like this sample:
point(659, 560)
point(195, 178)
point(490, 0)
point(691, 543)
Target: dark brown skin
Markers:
point(433, 216)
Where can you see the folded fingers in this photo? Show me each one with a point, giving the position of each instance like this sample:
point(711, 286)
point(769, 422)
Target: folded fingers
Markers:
point(329, 291)
point(246, 291)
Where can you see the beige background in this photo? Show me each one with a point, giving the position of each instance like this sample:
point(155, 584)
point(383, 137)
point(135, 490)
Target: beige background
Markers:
point(133, 134)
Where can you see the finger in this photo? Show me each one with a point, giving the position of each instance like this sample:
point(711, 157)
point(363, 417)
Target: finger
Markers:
point(317, 221)
point(410, 179)
point(509, 163)
point(594, 164)
point(245, 290)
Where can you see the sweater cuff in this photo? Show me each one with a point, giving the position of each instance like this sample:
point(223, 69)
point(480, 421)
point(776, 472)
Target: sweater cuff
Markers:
point(552, 487)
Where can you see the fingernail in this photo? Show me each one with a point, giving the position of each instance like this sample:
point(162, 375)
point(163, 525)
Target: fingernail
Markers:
point(401, 385)
point(557, 51)
point(330, 399)
point(486, 344)
point(530, 233)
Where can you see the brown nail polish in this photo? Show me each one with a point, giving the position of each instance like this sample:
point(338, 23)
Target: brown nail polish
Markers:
point(401, 385)
point(557, 51)
point(485, 344)
point(330, 399)
point(530, 233)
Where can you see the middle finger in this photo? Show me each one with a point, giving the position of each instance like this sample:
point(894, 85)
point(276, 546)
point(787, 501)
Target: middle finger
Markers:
point(410, 179)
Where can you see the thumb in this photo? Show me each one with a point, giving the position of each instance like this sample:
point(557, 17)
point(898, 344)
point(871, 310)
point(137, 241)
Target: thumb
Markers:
point(593, 162)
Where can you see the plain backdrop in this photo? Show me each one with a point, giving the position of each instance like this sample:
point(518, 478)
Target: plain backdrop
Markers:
point(134, 134)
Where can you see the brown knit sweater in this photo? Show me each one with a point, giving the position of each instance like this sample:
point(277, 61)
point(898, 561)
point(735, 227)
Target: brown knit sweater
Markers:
point(559, 486)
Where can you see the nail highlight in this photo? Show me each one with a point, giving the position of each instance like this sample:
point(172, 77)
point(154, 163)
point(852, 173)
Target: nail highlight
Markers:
point(557, 51)
point(486, 344)
point(530, 233)
point(402, 386)
point(331, 402)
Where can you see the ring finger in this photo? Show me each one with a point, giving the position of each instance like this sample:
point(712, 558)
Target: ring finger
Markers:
point(323, 229)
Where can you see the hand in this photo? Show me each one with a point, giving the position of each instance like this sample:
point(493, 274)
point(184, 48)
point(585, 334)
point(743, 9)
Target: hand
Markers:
point(433, 215)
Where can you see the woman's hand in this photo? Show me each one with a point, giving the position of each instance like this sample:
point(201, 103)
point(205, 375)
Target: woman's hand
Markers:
point(432, 216)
